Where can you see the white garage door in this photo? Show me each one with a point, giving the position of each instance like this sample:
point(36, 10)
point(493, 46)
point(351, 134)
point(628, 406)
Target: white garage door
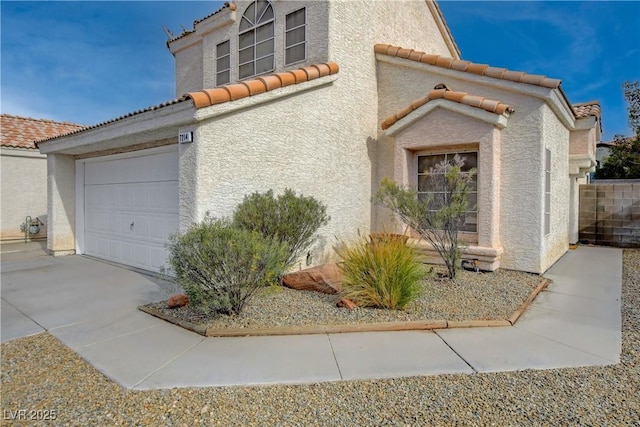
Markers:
point(131, 208)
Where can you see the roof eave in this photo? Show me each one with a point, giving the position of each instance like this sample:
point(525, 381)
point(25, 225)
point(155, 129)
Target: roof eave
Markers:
point(145, 127)
point(498, 120)
point(220, 18)
point(444, 28)
point(555, 97)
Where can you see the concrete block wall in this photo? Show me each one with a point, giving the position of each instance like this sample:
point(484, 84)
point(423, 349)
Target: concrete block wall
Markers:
point(610, 214)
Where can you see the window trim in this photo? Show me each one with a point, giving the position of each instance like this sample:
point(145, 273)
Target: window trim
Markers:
point(254, 45)
point(220, 57)
point(306, 34)
point(452, 151)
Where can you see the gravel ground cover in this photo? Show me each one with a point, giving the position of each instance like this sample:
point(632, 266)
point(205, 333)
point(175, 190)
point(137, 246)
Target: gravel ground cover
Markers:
point(473, 296)
point(39, 373)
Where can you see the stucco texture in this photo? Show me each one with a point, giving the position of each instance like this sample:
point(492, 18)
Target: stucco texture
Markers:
point(61, 204)
point(24, 191)
point(521, 148)
point(256, 150)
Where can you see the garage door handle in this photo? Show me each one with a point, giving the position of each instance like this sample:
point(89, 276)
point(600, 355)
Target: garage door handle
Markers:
point(132, 225)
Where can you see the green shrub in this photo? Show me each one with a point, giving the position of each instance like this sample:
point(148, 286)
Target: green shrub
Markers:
point(438, 215)
point(383, 273)
point(221, 266)
point(290, 219)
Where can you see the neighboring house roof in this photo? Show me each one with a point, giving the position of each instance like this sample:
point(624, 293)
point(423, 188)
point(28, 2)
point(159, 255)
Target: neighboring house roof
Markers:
point(468, 67)
point(226, 93)
point(617, 141)
point(586, 109)
point(227, 5)
point(22, 132)
point(232, 92)
point(441, 91)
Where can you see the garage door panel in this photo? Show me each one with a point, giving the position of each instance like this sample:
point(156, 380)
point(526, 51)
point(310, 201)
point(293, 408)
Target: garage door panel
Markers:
point(114, 249)
point(142, 168)
point(130, 221)
point(157, 255)
point(141, 227)
point(126, 253)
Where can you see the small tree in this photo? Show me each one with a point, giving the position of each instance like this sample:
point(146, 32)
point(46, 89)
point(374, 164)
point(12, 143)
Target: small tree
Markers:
point(290, 219)
point(623, 161)
point(439, 218)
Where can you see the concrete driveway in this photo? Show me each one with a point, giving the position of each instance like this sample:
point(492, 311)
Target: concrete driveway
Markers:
point(40, 292)
point(91, 306)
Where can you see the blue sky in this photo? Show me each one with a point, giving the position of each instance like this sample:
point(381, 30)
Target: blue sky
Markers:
point(87, 62)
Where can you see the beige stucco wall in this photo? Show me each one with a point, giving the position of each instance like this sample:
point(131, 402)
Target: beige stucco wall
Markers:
point(439, 130)
point(555, 137)
point(583, 142)
point(189, 70)
point(316, 138)
point(196, 63)
point(352, 26)
point(521, 153)
point(61, 204)
point(406, 23)
point(288, 142)
point(23, 174)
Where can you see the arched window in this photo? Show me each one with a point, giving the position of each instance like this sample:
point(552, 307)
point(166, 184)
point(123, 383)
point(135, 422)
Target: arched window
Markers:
point(256, 44)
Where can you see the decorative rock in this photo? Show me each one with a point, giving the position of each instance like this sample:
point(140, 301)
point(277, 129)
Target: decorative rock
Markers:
point(326, 278)
point(346, 303)
point(177, 301)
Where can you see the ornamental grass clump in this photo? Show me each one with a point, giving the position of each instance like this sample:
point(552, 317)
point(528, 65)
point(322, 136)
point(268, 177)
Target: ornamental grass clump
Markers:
point(221, 266)
point(289, 218)
point(439, 215)
point(382, 273)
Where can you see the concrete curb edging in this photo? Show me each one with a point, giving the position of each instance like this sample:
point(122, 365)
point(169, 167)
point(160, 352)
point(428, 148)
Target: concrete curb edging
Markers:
point(516, 314)
point(417, 325)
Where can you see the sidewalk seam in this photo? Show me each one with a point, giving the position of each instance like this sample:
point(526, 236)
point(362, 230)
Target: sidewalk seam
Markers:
point(334, 357)
point(165, 364)
point(26, 315)
point(456, 353)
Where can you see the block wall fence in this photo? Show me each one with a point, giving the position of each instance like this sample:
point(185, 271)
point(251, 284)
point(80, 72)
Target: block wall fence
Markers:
point(610, 213)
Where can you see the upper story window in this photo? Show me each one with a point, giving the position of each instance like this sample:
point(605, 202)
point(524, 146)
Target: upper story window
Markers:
point(223, 63)
point(256, 44)
point(295, 34)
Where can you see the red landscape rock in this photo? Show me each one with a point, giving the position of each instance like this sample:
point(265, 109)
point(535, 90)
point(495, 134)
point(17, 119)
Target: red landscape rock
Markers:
point(326, 278)
point(177, 301)
point(346, 303)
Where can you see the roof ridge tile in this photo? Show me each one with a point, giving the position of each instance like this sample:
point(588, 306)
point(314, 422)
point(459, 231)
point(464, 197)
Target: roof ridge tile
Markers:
point(262, 84)
point(467, 66)
point(481, 102)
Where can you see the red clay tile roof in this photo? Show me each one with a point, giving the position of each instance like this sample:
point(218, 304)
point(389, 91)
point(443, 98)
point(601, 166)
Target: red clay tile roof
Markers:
point(22, 132)
point(466, 66)
point(441, 91)
point(227, 93)
point(117, 119)
point(586, 109)
point(227, 5)
point(208, 97)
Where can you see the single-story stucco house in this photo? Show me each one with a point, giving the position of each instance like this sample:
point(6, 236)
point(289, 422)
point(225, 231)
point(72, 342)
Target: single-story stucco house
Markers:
point(326, 98)
point(23, 173)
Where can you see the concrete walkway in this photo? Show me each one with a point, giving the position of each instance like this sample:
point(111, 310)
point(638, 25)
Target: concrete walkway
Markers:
point(91, 306)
